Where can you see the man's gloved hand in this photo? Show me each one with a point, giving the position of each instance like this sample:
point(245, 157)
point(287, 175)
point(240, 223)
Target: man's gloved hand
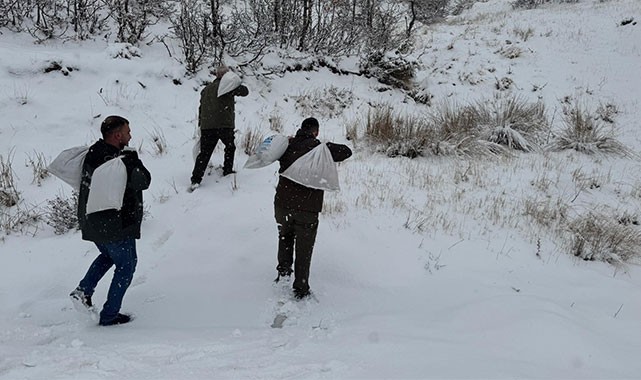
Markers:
point(130, 153)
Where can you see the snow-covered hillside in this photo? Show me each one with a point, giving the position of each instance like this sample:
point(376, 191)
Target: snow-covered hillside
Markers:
point(423, 268)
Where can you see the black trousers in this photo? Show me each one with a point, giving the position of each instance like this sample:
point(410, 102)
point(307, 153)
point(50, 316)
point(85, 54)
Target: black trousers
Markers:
point(208, 140)
point(296, 234)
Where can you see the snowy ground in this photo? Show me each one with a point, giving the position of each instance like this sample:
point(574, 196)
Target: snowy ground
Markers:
point(415, 272)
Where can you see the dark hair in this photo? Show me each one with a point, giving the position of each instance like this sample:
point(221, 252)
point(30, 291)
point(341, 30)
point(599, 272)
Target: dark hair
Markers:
point(111, 123)
point(309, 125)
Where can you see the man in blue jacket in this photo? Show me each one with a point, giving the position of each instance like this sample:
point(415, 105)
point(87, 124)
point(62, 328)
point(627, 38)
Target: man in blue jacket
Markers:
point(113, 231)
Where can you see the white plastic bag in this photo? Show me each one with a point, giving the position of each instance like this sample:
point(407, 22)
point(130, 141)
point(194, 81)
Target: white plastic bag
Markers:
point(195, 151)
point(270, 150)
point(68, 165)
point(107, 188)
point(229, 82)
point(315, 169)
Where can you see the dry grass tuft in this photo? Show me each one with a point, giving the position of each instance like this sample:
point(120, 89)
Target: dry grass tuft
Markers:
point(596, 237)
point(584, 133)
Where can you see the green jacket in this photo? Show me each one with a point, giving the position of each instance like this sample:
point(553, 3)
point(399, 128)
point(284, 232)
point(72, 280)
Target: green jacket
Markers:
point(218, 112)
point(293, 196)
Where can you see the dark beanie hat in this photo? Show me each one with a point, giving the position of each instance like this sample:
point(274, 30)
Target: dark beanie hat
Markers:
point(310, 124)
point(111, 123)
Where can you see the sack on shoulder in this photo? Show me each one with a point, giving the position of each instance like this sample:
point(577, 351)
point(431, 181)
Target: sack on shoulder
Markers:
point(270, 150)
point(108, 184)
point(68, 165)
point(315, 169)
point(229, 82)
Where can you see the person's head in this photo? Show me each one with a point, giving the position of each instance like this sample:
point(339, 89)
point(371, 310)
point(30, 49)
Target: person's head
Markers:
point(221, 70)
point(310, 125)
point(115, 131)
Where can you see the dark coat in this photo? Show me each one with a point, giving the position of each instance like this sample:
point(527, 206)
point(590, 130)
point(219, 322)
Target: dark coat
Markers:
point(113, 225)
point(293, 196)
point(218, 112)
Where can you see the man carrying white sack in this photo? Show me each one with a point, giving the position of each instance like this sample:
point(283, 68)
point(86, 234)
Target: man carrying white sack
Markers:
point(111, 222)
point(297, 205)
point(216, 120)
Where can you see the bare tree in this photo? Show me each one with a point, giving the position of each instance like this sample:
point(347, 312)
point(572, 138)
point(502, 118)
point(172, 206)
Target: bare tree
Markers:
point(133, 17)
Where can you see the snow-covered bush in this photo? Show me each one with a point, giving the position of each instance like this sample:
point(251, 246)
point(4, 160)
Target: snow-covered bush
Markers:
point(391, 69)
point(195, 27)
point(20, 220)
point(134, 17)
point(329, 102)
point(61, 213)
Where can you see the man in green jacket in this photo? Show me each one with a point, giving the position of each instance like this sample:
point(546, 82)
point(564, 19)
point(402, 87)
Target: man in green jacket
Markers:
point(296, 209)
point(216, 120)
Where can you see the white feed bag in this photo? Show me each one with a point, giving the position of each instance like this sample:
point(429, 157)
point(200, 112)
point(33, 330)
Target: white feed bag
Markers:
point(107, 188)
point(315, 169)
point(229, 82)
point(270, 150)
point(195, 151)
point(68, 165)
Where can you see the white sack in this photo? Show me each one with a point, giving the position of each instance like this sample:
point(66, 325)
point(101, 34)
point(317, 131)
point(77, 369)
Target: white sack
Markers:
point(195, 151)
point(270, 150)
point(229, 82)
point(107, 188)
point(315, 169)
point(68, 165)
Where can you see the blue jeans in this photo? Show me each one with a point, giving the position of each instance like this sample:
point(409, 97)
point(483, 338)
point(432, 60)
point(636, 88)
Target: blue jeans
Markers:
point(122, 254)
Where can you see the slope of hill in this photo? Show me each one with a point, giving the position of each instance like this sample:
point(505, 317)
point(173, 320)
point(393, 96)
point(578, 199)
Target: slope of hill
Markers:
point(435, 267)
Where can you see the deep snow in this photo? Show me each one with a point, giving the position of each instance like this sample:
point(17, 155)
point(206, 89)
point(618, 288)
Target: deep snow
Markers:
point(415, 273)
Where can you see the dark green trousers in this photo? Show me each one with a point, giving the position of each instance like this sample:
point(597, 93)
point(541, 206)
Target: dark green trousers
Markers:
point(296, 237)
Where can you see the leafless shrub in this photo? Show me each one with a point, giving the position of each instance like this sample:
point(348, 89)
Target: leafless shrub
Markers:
point(251, 140)
point(461, 5)
point(503, 84)
point(523, 33)
point(392, 69)
point(134, 17)
point(511, 52)
point(531, 4)
point(607, 112)
point(627, 219)
point(195, 25)
point(61, 213)
point(601, 238)
point(38, 166)
point(582, 132)
point(421, 96)
point(527, 4)
point(9, 195)
point(329, 101)
point(20, 220)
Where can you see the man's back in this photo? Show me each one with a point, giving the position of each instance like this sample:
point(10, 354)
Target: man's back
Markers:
point(294, 196)
point(215, 111)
